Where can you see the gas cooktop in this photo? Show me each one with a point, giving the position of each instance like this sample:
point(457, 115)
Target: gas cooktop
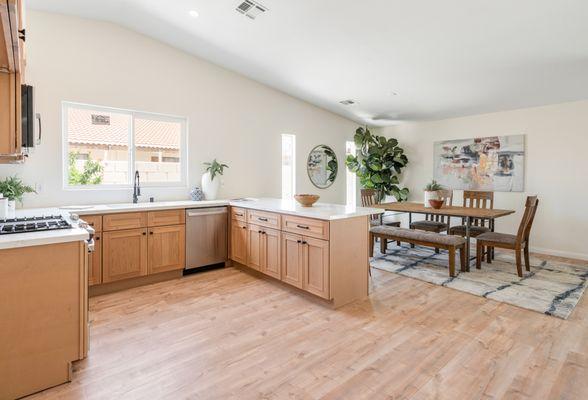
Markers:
point(33, 224)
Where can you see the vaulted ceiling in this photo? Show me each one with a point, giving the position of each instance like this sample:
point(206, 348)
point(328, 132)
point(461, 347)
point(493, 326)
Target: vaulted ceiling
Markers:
point(398, 60)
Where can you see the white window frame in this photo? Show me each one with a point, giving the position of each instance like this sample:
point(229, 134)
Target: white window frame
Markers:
point(350, 177)
point(285, 194)
point(183, 183)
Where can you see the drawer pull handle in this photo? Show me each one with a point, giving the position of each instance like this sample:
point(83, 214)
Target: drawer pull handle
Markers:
point(262, 219)
point(304, 242)
point(238, 214)
point(244, 227)
point(299, 241)
point(303, 227)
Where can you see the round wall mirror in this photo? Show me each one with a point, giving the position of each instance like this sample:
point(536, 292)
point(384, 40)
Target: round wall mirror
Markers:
point(322, 166)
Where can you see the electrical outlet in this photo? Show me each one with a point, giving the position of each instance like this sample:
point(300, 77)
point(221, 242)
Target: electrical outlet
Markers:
point(39, 188)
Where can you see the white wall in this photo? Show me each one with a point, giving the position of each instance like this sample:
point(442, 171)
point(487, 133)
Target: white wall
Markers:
point(231, 118)
point(556, 168)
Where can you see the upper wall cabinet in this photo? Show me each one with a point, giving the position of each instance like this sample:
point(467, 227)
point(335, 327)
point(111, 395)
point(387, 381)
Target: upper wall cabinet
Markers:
point(12, 67)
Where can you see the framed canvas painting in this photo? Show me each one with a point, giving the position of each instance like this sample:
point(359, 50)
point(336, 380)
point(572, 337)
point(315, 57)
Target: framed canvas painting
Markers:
point(494, 163)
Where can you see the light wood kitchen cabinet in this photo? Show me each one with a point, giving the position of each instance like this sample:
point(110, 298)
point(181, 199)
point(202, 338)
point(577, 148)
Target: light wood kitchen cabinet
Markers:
point(254, 250)
point(132, 220)
point(239, 234)
point(166, 248)
point(292, 266)
point(95, 261)
point(124, 254)
point(12, 65)
point(166, 217)
point(270, 251)
point(315, 261)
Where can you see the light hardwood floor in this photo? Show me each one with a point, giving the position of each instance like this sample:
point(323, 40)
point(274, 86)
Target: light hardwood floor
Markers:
point(225, 334)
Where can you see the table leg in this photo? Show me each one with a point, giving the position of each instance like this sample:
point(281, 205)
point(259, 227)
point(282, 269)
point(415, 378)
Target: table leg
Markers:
point(492, 230)
point(468, 225)
point(409, 219)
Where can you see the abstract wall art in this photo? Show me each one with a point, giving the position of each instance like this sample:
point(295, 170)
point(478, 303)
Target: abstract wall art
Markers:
point(494, 163)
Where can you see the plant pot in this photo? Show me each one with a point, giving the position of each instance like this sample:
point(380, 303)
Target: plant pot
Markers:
point(11, 208)
point(431, 195)
point(210, 186)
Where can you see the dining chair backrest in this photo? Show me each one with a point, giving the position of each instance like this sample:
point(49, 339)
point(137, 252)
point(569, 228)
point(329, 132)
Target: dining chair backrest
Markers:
point(368, 199)
point(478, 199)
point(448, 197)
point(527, 220)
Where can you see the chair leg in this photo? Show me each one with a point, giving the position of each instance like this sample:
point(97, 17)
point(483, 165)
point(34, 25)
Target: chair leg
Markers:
point(412, 244)
point(452, 262)
point(372, 244)
point(479, 250)
point(488, 254)
point(383, 245)
point(462, 258)
point(519, 265)
point(527, 263)
point(398, 243)
point(437, 250)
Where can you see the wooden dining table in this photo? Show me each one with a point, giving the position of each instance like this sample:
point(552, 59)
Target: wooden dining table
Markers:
point(467, 213)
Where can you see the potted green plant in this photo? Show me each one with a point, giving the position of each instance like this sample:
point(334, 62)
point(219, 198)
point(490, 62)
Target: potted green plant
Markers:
point(14, 190)
point(378, 163)
point(433, 191)
point(209, 184)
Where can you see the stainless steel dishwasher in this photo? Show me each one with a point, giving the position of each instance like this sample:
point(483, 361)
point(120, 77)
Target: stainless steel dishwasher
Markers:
point(206, 236)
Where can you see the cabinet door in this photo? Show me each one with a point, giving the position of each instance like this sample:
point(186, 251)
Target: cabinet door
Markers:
point(239, 242)
point(167, 251)
point(124, 254)
point(95, 262)
point(254, 254)
point(8, 113)
point(316, 266)
point(271, 253)
point(292, 259)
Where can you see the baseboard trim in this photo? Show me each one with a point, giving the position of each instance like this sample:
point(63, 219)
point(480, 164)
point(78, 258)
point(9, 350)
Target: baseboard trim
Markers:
point(559, 253)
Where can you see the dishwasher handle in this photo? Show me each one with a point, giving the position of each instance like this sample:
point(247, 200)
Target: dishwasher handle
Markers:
point(205, 211)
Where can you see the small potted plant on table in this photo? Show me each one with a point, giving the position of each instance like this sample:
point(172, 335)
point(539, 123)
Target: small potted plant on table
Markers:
point(433, 191)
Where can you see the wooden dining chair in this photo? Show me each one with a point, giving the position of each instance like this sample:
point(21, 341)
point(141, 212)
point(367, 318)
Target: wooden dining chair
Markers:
point(475, 199)
point(435, 223)
point(368, 199)
point(518, 242)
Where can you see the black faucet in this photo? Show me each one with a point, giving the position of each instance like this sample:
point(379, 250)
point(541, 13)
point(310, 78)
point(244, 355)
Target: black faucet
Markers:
point(136, 188)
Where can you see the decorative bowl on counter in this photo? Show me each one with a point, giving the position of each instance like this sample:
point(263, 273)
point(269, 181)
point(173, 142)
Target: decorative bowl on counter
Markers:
point(436, 204)
point(306, 200)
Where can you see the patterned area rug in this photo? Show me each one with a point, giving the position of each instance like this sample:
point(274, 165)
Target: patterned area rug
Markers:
point(552, 288)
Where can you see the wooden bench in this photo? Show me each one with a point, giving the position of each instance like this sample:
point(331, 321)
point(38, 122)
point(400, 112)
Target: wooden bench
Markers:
point(450, 243)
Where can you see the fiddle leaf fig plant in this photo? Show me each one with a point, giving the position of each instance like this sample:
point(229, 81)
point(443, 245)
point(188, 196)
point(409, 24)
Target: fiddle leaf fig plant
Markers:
point(378, 163)
point(215, 168)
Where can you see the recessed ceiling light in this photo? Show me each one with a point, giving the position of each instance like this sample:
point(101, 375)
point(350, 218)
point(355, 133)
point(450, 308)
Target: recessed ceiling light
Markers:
point(193, 13)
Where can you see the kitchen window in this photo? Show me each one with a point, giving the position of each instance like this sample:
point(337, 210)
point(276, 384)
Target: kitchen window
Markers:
point(103, 147)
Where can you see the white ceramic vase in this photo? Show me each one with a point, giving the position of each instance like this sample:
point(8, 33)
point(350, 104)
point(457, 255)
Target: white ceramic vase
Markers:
point(431, 195)
point(210, 186)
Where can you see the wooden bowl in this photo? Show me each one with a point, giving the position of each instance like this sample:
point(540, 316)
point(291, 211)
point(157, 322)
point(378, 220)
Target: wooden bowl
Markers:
point(306, 200)
point(436, 204)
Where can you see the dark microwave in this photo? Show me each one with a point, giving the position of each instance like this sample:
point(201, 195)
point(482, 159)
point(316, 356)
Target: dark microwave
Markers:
point(28, 117)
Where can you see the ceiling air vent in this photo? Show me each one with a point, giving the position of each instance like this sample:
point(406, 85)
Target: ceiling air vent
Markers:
point(347, 102)
point(251, 9)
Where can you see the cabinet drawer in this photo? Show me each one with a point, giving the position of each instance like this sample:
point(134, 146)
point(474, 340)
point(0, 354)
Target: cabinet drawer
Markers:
point(95, 221)
point(239, 214)
point(115, 222)
point(167, 217)
point(262, 218)
point(306, 226)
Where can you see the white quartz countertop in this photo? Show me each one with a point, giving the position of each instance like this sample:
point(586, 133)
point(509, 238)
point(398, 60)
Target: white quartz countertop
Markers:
point(324, 211)
point(321, 211)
